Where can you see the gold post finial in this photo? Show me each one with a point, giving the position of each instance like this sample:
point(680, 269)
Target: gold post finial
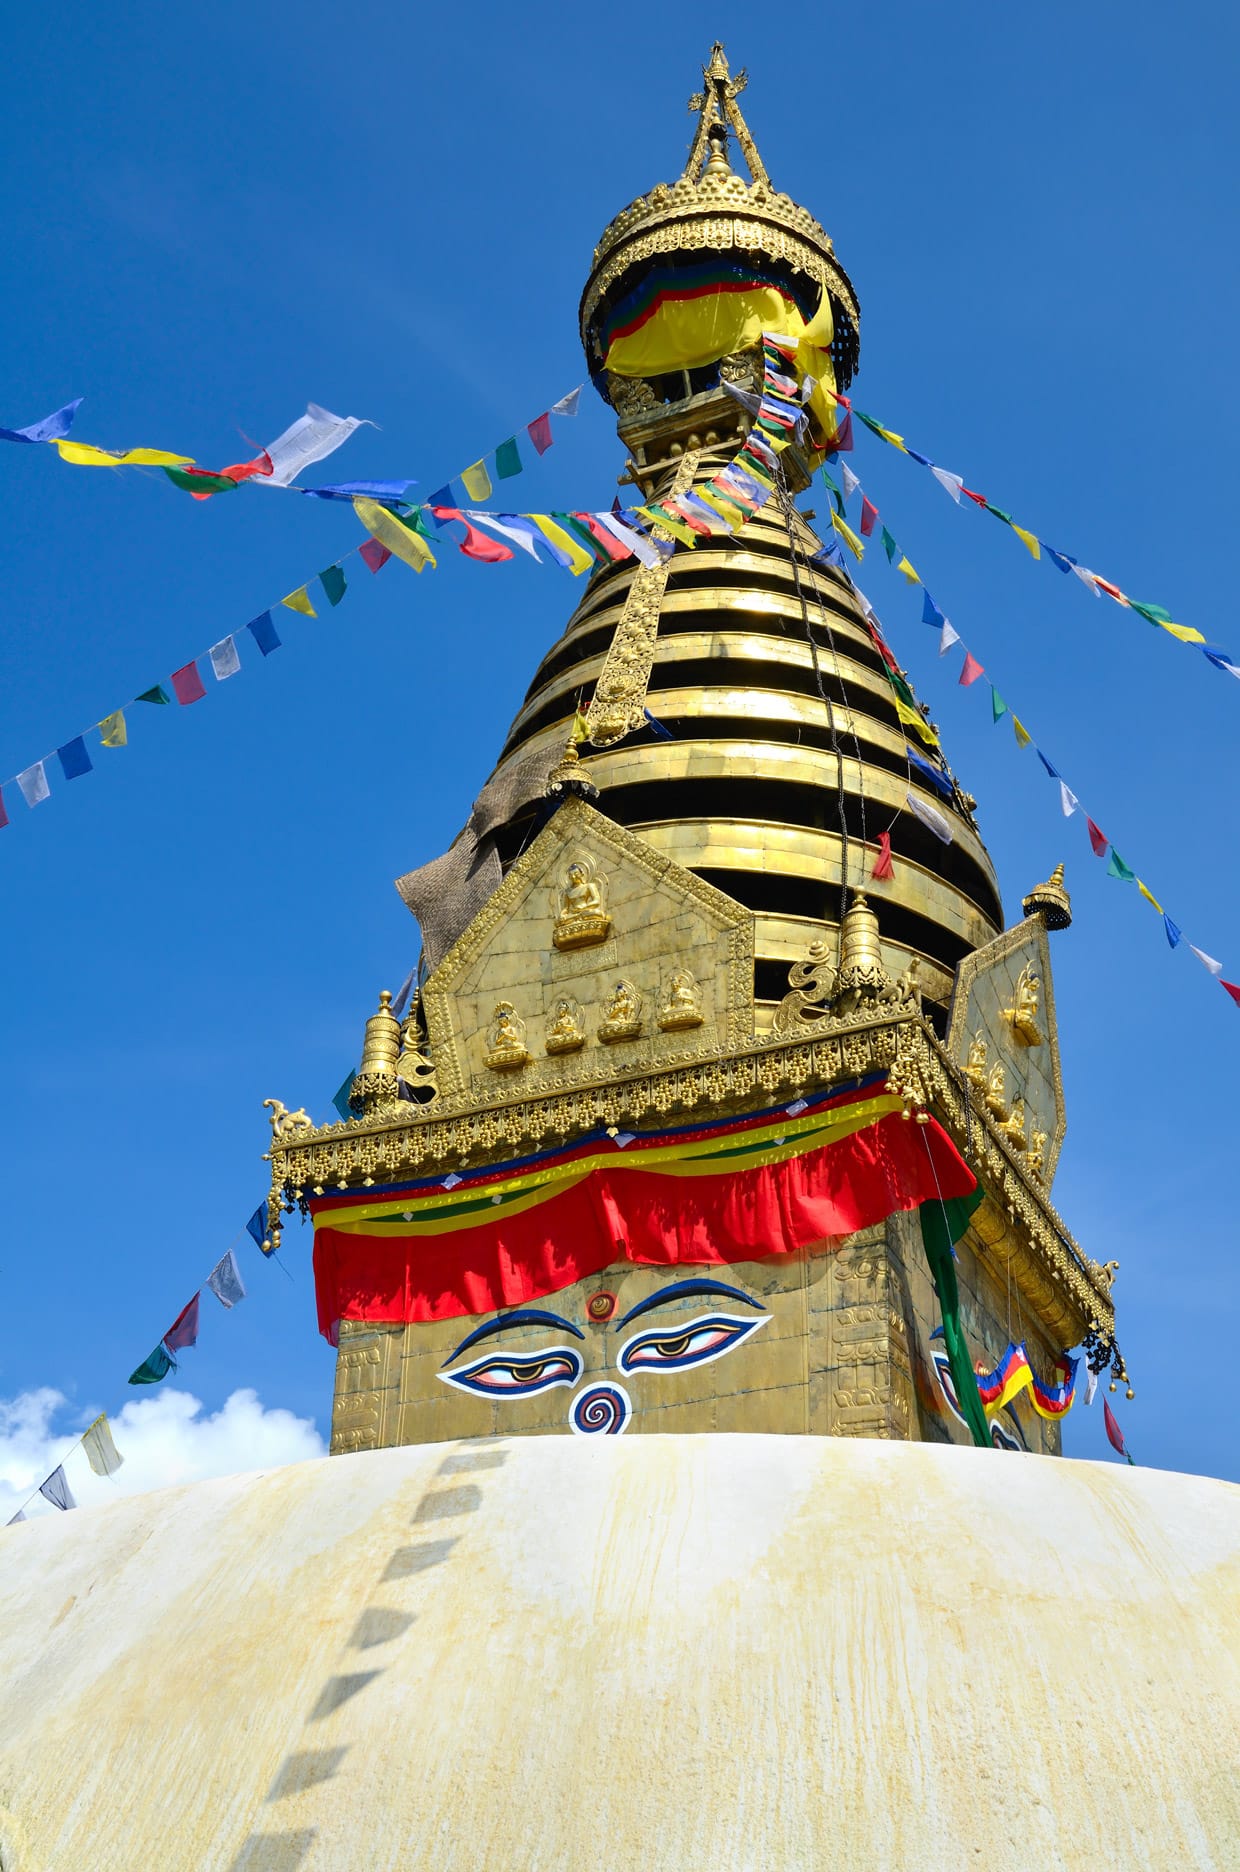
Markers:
point(1050, 901)
point(718, 109)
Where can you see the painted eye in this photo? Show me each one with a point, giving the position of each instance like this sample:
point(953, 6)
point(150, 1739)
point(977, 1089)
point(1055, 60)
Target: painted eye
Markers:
point(500, 1376)
point(695, 1344)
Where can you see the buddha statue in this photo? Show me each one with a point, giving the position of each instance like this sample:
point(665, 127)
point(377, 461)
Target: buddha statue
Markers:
point(1023, 1013)
point(1013, 1126)
point(1035, 1156)
point(564, 1033)
point(622, 1015)
point(975, 1065)
point(506, 1040)
point(581, 917)
point(682, 1006)
point(996, 1092)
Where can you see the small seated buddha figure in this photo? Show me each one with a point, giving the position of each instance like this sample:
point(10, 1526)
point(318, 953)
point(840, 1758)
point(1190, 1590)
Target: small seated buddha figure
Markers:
point(622, 1015)
point(581, 917)
point(506, 1040)
point(564, 1032)
point(996, 1092)
point(1013, 1126)
point(1023, 1013)
point(975, 1065)
point(1035, 1156)
point(682, 1006)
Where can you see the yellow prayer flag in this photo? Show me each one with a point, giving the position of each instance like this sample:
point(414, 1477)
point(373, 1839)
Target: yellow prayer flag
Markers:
point(1031, 540)
point(918, 723)
point(848, 536)
point(477, 482)
point(87, 456)
point(889, 435)
point(669, 525)
point(387, 529)
point(1184, 632)
point(1023, 736)
point(732, 517)
point(908, 572)
point(300, 601)
point(113, 730)
point(580, 560)
point(580, 730)
point(1149, 897)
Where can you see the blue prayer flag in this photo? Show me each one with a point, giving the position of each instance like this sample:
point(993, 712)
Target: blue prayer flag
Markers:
point(257, 1226)
point(51, 429)
point(664, 734)
point(341, 1098)
point(1173, 930)
point(930, 613)
point(923, 459)
point(1062, 560)
point(443, 497)
point(263, 631)
point(74, 759)
point(1052, 771)
point(928, 771)
point(382, 491)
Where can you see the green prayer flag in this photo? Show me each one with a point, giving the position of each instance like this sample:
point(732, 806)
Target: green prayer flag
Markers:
point(333, 583)
point(998, 707)
point(1154, 614)
point(942, 1224)
point(341, 1098)
point(155, 1366)
point(889, 547)
point(507, 460)
point(870, 423)
point(837, 494)
point(200, 483)
point(902, 689)
point(157, 694)
point(584, 534)
point(1118, 869)
point(998, 512)
point(415, 520)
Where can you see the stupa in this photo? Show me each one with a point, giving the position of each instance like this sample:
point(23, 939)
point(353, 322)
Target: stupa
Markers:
point(721, 1042)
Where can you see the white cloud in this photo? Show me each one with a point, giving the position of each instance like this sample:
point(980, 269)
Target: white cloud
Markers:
point(164, 1439)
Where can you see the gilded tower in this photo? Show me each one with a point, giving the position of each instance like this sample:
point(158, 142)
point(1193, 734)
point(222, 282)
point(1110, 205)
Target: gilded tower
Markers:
point(727, 1101)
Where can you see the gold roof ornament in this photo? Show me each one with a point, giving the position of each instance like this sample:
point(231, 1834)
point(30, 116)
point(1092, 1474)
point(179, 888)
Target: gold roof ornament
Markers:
point(1050, 901)
point(569, 776)
point(374, 1084)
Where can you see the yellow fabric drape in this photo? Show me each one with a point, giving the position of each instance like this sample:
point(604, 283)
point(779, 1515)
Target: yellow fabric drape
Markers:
point(389, 532)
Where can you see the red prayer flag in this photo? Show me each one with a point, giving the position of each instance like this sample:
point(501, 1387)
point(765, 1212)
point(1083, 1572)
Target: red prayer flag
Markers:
point(475, 545)
point(1232, 990)
point(184, 1328)
point(970, 669)
point(239, 471)
point(539, 432)
point(844, 434)
point(608, 541)
point(979, 498)
point(883, 867)
point(374, 553)
point(1115, 1436)
point(1112, 591)
point(869, 516)
point(1097, 839)
point(188, 684)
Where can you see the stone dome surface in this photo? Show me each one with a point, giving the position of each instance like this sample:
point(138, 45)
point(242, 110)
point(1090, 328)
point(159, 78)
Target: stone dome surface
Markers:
point(661, 1652)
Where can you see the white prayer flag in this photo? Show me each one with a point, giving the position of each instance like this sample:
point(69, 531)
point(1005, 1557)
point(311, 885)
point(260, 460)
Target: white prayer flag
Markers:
point(1215, 968)
point(497, 526)
point(867, 609)
point(316, 434)
point(225, 1280)
point(224, 659)
point(930, 817)
point(851, 481)
point(948, 636)
point(56, 1490)
point(1091, 1385)
point(1067, 799)
point(952, 482)
point(33, 784)
point(101, 1452)
point(403, 992)
point(567, 405)
point(1087, 578)
point(628, 536)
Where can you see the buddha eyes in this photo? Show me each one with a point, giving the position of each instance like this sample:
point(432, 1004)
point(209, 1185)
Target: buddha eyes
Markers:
point(498, 1375)
point(676, 1348)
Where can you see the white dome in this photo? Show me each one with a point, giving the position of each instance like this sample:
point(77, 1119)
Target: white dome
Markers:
point(654, 1653)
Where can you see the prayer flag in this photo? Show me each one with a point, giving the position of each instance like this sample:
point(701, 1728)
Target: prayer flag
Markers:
point(848, 536)
point(1091, 1386)
point(664, 734)
point(930, 613)
point(946, 479)
point(998, 707)
point(394, 533)
point(1112, 591)
point(998, 512)
point(256, 1227)
point(184, 1328)
point(444, 498)
point(1115, 1436)
point(1215, 968)
point(728, 508)
point(187, 684)
point(155, 1367)
point(970, 670)
point(696, 509)
point(648, 554)
point(1173, 931)
point(4, 817)
point(264, 633)
point(567, 405)
point(85, 456)
point(300, 600)
point(49, 429)
point(948, 636)
point(579, 560)
point(573, 523)
point(659, 516)
point(513, 527)
point(1023, 736)
point(56, 1490)
point(224, 659)
point(933, 775)
point(476, 481)
point(888, 435)
point(374, 554)
point(340, 1100)
point(1097, 838)
point(604, 537)
point(869, 515)
point(579, 733)
point(332, 580)
point(844, 435)
point(113, 731)
point(101, 1452)
point(1150, 897)
point(1030, 539)
point(882, 866)
point(200, 482)
point(508, 459)
point(1087, 578)
point(539, 432)
point(1067, 799)
point(225, 1280)
point(475, 545)
point(73, 758)
point(905, 566)
point(1222, 661)
point(1232, 990)
point(1118, 869)
point(350, 490)
point(930, 816)
point(157, 694)
point(1052, 771)
point(312, 437)
point(1059, 559)
point(403, 992)
point(851, 481)
point(33, 784)
point(889, 546)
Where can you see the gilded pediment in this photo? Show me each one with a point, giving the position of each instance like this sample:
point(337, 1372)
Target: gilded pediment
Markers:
point(1002, 1033)
point(596, 957)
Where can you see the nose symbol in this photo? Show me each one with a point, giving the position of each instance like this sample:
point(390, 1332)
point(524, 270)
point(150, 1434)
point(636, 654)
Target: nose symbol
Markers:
point(601, 1410)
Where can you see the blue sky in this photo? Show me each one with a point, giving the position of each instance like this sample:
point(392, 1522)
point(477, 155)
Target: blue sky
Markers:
point(215, 216)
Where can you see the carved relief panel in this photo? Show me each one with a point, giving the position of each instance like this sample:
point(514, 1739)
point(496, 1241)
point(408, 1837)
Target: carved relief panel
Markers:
point(1002, 1032)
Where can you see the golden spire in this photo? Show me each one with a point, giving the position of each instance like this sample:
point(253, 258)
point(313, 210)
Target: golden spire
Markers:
point(1050, 901)
point(717, 107)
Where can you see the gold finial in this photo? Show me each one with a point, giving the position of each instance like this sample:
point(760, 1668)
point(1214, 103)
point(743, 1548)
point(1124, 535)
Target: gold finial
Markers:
point(569, 776)
point(861, 959)
point(717, 108)
point(1050, 901)
point(375, 1081)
